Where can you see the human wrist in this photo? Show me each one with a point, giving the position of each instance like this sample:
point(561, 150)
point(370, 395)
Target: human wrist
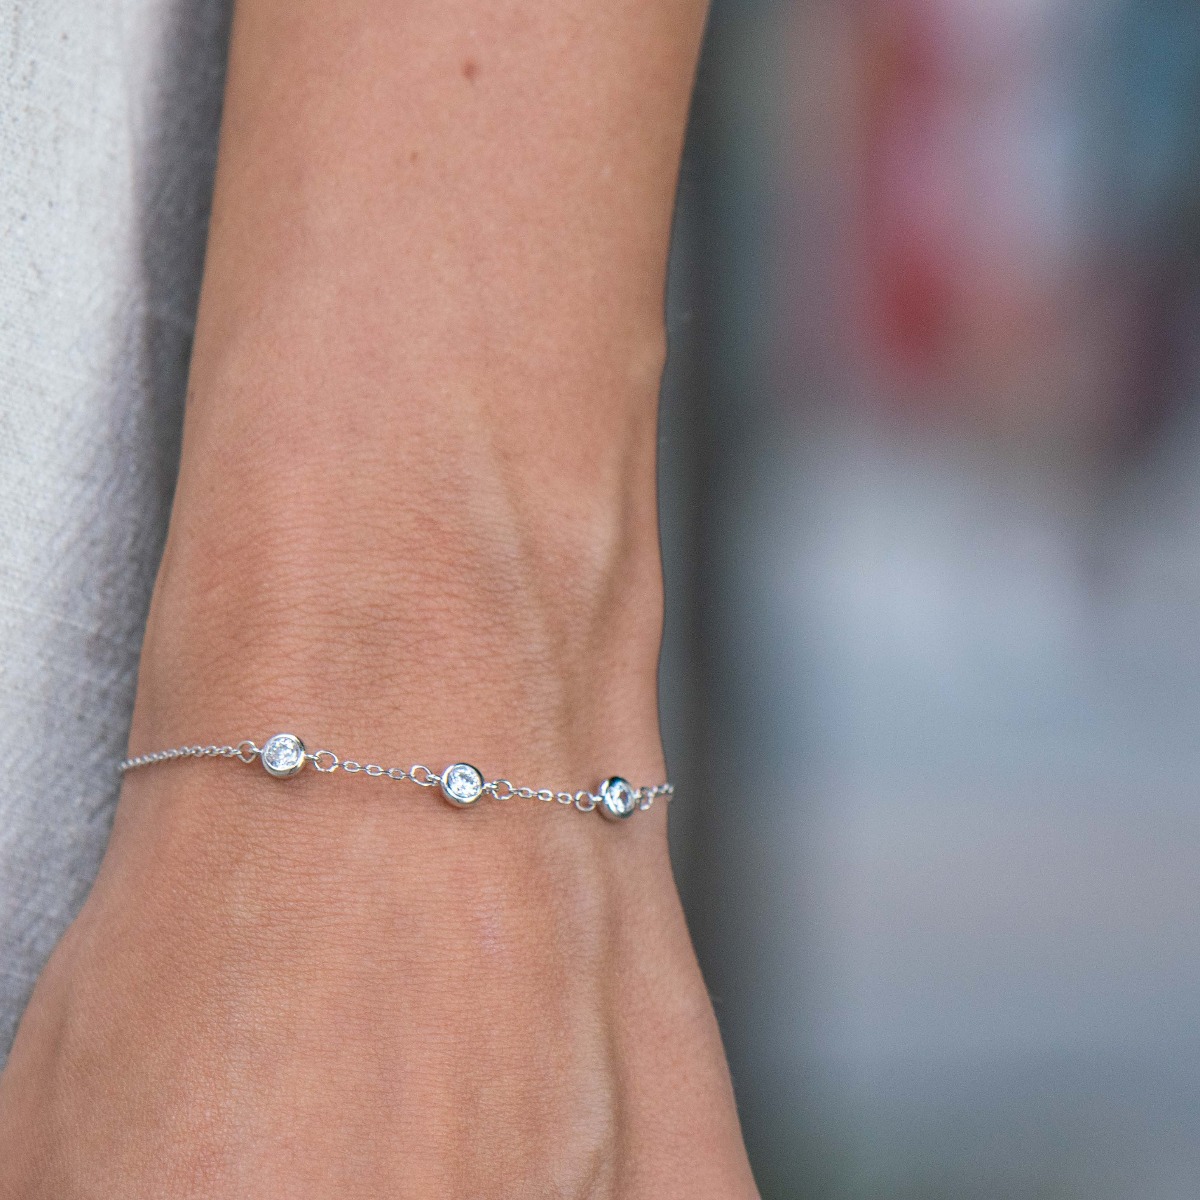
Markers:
point(404, 605)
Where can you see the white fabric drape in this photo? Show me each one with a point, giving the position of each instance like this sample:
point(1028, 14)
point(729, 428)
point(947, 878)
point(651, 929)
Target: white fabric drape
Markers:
point(108, 125)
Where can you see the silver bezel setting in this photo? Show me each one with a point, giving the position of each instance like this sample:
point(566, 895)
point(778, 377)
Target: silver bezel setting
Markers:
point(617, 799)
point(292, 742)
point(460, 798)
point(460, 784)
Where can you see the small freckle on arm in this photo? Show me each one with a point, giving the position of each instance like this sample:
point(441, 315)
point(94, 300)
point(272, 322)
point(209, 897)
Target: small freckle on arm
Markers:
point(470, 70)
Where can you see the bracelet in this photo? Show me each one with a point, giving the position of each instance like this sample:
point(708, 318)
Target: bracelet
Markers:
point(461, 784)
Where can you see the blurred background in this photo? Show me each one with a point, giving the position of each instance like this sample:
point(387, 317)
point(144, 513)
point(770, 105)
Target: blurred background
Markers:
point(931, 509)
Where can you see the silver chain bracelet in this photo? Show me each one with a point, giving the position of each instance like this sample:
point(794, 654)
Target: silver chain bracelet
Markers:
point(461, 784)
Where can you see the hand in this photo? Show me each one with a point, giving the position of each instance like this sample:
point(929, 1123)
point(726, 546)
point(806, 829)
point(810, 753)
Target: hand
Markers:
point(332, 987)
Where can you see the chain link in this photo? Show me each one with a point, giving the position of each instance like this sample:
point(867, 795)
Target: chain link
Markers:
point(246, 751)
point(326, 762)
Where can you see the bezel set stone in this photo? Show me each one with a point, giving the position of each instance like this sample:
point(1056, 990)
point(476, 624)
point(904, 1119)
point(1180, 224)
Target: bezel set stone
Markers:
point(461, 784)
point(283, 755)
point(618, 801)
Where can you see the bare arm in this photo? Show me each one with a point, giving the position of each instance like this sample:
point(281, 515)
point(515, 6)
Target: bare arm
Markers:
point(415, 519)
point(426, 367)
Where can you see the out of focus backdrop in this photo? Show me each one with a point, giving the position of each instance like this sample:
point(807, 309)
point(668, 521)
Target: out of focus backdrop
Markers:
point(931, 505)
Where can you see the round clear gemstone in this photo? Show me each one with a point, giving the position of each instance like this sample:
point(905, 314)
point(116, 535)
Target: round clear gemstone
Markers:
point(283, 755)
point(617, 800)
point(462, 784)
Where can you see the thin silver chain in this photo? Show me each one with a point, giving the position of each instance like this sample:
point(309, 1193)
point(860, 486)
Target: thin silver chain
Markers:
point(326, 762)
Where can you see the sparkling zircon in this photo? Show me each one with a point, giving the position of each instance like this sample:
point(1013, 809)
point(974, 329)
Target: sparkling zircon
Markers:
point(462, 784)
point(617, 800)
point(283, 755)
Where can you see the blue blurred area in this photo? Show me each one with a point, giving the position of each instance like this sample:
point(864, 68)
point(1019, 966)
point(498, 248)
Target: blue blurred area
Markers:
point(931, 504)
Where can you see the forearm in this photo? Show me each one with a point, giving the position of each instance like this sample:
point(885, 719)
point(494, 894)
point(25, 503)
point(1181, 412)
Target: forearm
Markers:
point(415, 521)
point(418, 478)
